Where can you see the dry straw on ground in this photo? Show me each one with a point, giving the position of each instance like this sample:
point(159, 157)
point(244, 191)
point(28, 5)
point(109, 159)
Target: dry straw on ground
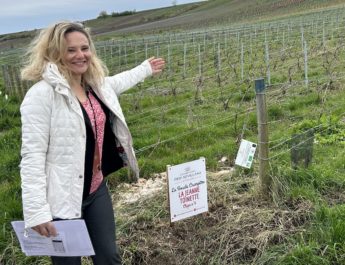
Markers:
point(237, 229)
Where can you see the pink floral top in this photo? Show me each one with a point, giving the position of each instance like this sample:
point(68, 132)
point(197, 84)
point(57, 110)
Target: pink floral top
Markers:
point(97, 118)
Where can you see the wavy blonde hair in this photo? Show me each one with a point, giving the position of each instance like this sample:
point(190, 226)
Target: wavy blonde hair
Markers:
point(50, 46)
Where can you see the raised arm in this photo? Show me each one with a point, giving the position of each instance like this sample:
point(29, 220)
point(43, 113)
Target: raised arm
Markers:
point(127, 79)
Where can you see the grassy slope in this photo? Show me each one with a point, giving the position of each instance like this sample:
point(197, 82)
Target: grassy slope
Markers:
point(240, 228)
point(109, 24)
point(189, 16)
point(216, 12)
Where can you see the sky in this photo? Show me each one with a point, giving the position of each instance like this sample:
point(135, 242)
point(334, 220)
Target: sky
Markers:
point(21, 15)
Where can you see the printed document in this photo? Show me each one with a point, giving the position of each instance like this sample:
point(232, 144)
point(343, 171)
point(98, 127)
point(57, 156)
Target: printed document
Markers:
point(72, 240)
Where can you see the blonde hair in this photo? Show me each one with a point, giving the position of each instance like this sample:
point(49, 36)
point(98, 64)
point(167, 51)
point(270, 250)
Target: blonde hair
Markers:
point(50, 46)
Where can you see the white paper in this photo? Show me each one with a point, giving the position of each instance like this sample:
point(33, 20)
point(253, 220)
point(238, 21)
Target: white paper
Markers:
point(245, 154)
point(187, 189)
point(72, 240)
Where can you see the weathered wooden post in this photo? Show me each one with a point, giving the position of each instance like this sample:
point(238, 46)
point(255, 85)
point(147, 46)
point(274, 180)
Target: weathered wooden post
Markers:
point(265, 179)
point(7, 81)
point(306, 81)
point(267, 59)
point(184, 60)
point(14, 91)
point(19, 86)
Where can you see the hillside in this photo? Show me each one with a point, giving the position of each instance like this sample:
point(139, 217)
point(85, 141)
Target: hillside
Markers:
point(188, 16)
point(206, 14)
point(203, 105)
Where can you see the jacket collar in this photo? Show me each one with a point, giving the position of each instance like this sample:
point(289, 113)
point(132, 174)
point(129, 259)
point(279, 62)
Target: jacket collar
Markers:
point(53, 76)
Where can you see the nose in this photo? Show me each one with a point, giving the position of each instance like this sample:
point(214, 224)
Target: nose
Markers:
point(80, 53)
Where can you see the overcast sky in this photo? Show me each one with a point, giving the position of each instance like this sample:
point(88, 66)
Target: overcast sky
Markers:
point(20, 15)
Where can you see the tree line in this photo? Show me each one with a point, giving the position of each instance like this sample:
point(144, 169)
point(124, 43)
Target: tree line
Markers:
point(104, 14)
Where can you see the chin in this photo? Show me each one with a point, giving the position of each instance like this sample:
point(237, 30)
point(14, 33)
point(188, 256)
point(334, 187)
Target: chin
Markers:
point(79, 71)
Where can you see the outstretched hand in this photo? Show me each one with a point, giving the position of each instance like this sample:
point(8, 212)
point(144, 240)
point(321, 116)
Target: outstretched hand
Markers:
point(157, 65)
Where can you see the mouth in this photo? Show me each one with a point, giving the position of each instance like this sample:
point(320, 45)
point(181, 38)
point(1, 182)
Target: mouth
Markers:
point(79, 63)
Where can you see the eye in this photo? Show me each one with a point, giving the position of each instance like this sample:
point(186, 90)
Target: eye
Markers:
point(86, 48)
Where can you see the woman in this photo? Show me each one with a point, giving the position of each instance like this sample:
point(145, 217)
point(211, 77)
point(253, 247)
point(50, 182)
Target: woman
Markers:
point(73, 135)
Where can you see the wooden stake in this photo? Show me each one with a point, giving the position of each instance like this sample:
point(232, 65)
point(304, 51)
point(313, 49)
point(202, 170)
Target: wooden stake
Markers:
point(265, 179)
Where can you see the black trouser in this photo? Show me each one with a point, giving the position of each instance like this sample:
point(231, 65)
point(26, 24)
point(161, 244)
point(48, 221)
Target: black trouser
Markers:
point(98, 214)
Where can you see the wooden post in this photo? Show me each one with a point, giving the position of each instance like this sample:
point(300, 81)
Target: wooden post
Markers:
point(126, 62)
point(265, 179)
point(302, 38)
point(219, 66)
point(242, 62)
point(306, 81)
point(119, 57)
point(145, 50)
point(323, 35)
point(14, 91)
point(267, 59)
point(200, 61)
point(157, 50)
point(6, 77)
point(169, 62)
point(199, 82)
point(19, 85)
point(184, 60)
point(135, 55)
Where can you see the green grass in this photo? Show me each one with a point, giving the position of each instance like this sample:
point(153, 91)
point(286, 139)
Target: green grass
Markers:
point(322, 244)
point(302, 224)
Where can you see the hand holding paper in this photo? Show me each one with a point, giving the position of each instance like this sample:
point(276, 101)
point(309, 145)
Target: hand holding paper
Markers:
point(46, 229)
point(72, 239)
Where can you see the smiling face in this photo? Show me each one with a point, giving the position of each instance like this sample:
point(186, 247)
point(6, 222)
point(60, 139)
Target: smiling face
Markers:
point(78, 54)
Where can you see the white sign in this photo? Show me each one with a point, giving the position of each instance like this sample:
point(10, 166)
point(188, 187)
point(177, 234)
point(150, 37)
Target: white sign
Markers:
point(187, 189)
point(245, 154)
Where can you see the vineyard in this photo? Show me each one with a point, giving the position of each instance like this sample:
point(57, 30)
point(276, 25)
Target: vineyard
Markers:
point(203, 105)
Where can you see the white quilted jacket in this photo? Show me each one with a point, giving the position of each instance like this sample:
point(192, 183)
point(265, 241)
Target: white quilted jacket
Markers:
point(54, 142)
